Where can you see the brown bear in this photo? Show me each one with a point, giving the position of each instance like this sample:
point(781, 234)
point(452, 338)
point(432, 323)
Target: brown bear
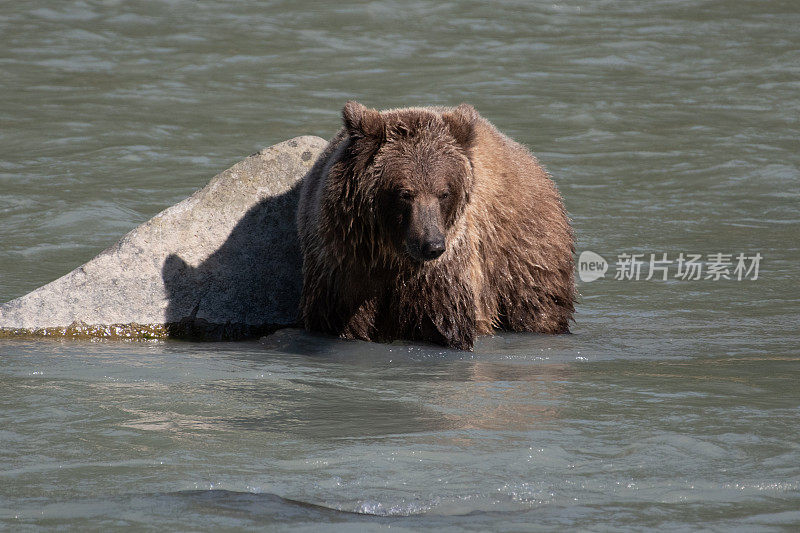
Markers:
point(428, 224)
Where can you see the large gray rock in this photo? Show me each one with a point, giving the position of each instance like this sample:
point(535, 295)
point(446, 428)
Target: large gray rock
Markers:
point(222, 264)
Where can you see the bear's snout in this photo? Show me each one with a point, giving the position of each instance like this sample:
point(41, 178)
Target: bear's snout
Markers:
point(425, 236)
point(433, 248)
point(427, 248)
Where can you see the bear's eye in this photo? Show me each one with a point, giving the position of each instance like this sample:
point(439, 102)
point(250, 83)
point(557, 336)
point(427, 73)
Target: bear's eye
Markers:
point(406, 195)
point(444, 195)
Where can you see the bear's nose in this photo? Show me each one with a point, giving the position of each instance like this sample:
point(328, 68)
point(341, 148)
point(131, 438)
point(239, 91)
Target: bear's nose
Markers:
point(433, 249)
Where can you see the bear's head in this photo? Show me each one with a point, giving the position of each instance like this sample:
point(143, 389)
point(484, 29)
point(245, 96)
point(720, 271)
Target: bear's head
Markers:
point(414, 172)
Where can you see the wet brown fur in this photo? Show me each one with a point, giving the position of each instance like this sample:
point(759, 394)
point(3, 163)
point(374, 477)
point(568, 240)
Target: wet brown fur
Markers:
point(508, 262)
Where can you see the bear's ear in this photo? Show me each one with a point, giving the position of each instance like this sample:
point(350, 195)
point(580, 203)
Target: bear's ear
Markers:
point(461, 122)
point(363, 122)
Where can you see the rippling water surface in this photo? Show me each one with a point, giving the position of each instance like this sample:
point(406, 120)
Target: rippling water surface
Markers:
point(669, 126)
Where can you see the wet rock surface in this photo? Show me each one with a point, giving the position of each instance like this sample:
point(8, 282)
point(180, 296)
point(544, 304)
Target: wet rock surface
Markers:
point(223, 264)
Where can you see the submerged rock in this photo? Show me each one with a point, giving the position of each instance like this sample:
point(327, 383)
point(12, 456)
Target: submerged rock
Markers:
point(223, 264)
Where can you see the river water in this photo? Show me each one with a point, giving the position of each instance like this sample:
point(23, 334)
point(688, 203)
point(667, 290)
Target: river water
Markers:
point(670, 127)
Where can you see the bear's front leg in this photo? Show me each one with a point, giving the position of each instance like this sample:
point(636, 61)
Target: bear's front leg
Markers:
point(437, 306)
point(361, 324)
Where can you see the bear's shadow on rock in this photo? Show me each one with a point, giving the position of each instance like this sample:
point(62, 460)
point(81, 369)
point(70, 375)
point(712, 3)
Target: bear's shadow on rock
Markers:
point(249, 287)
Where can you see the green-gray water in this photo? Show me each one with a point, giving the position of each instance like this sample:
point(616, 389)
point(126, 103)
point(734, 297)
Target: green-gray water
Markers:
point(669, 126)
